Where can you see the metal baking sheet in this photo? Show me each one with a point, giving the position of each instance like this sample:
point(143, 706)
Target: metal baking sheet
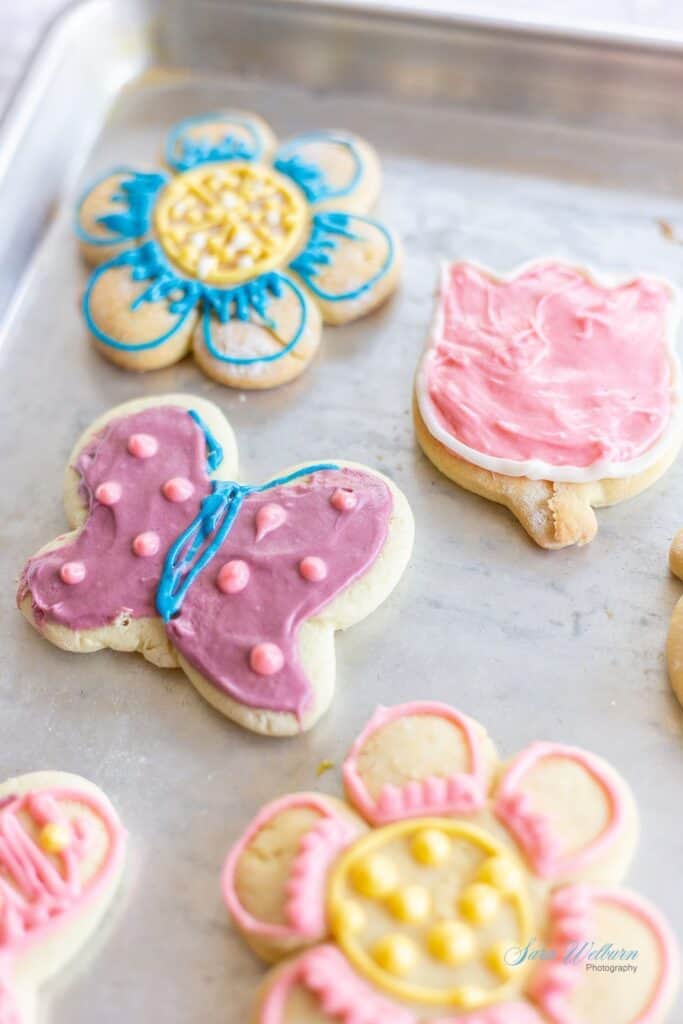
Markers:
point(496, 145)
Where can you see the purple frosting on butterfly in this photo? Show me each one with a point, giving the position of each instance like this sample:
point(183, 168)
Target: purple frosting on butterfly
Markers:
point(214, 631)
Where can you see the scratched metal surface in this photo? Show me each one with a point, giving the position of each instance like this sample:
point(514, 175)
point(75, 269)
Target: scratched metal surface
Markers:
point(493, 149)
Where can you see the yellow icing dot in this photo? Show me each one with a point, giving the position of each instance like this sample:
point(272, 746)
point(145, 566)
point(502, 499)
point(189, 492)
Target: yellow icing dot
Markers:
point(396, 954)
point(54, 837)
point(348, 917)
point(208, 212)
point(469, 997)
point(495, 958)
point(501, 873)
point(431, 846)
point(479, 902)
point(411, 904)
point(452, 942)
point(374, 876)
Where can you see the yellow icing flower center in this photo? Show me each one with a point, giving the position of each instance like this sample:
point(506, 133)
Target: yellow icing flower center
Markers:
point(229, 222)
point(426, 910)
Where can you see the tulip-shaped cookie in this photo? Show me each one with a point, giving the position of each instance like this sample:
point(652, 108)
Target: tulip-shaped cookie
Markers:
point(238, 255)
point(62, 853)
point(242, 586)
point(450, 889)
point(550, 391)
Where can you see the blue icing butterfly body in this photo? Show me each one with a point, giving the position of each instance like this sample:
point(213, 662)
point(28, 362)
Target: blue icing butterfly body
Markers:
point(197, 545)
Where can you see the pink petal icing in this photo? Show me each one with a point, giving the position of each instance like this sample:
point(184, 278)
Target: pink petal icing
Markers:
point(341, 994)
point(549, 373)
point(331, 834)
point(534, 831)
point(319, 848)
point(572, 909)
point(463, 793)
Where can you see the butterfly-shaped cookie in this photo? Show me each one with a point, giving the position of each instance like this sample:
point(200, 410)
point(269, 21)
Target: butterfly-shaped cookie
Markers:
point(62, 853)
point(241, 586)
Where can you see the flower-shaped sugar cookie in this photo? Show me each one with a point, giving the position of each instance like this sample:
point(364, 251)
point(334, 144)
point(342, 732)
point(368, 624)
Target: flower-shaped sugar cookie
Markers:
point(551, 391)
point(62, 852)
point(239, 255)
point(450, 889)
point(242, 586)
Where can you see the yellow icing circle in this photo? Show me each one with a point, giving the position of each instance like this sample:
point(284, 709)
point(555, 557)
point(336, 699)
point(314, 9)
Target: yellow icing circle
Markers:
point(226, 223)
point(426, 895)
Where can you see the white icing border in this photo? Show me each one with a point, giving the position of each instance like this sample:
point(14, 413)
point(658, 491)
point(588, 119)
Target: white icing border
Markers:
point(536, 469)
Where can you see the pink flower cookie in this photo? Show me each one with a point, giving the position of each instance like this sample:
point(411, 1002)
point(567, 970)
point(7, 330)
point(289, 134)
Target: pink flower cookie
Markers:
point(550, 391)
point(450, 889)
point(239, 255)
point(242, 586)
point(62, 852)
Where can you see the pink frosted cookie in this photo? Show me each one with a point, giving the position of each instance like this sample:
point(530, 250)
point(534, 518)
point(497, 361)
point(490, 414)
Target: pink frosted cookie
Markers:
point(242, 586)
point(550, 391)
point(62, 853)
point(451, 889)
point(239, 254)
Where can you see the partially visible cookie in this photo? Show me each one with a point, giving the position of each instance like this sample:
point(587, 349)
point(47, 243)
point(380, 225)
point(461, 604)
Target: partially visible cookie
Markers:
point(62, 851)
point(551, 392)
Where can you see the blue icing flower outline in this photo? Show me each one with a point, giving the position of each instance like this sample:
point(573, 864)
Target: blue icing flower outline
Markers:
point(242, 299)
point(195, 152)
point(308, 175)
point(147, 263)
point(186, 559)
point(326, 227)
point(183, 294)
point(138, 192)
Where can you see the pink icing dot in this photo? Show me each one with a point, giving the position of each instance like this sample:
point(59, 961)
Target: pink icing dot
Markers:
point(72, 572)
point(313, 569)
point(178, 488)
point(233, 576)
point(268, 518)
point(266, 659)
point(142, 446)
point(108, 493)
point(146, 544)
point(343, 499)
